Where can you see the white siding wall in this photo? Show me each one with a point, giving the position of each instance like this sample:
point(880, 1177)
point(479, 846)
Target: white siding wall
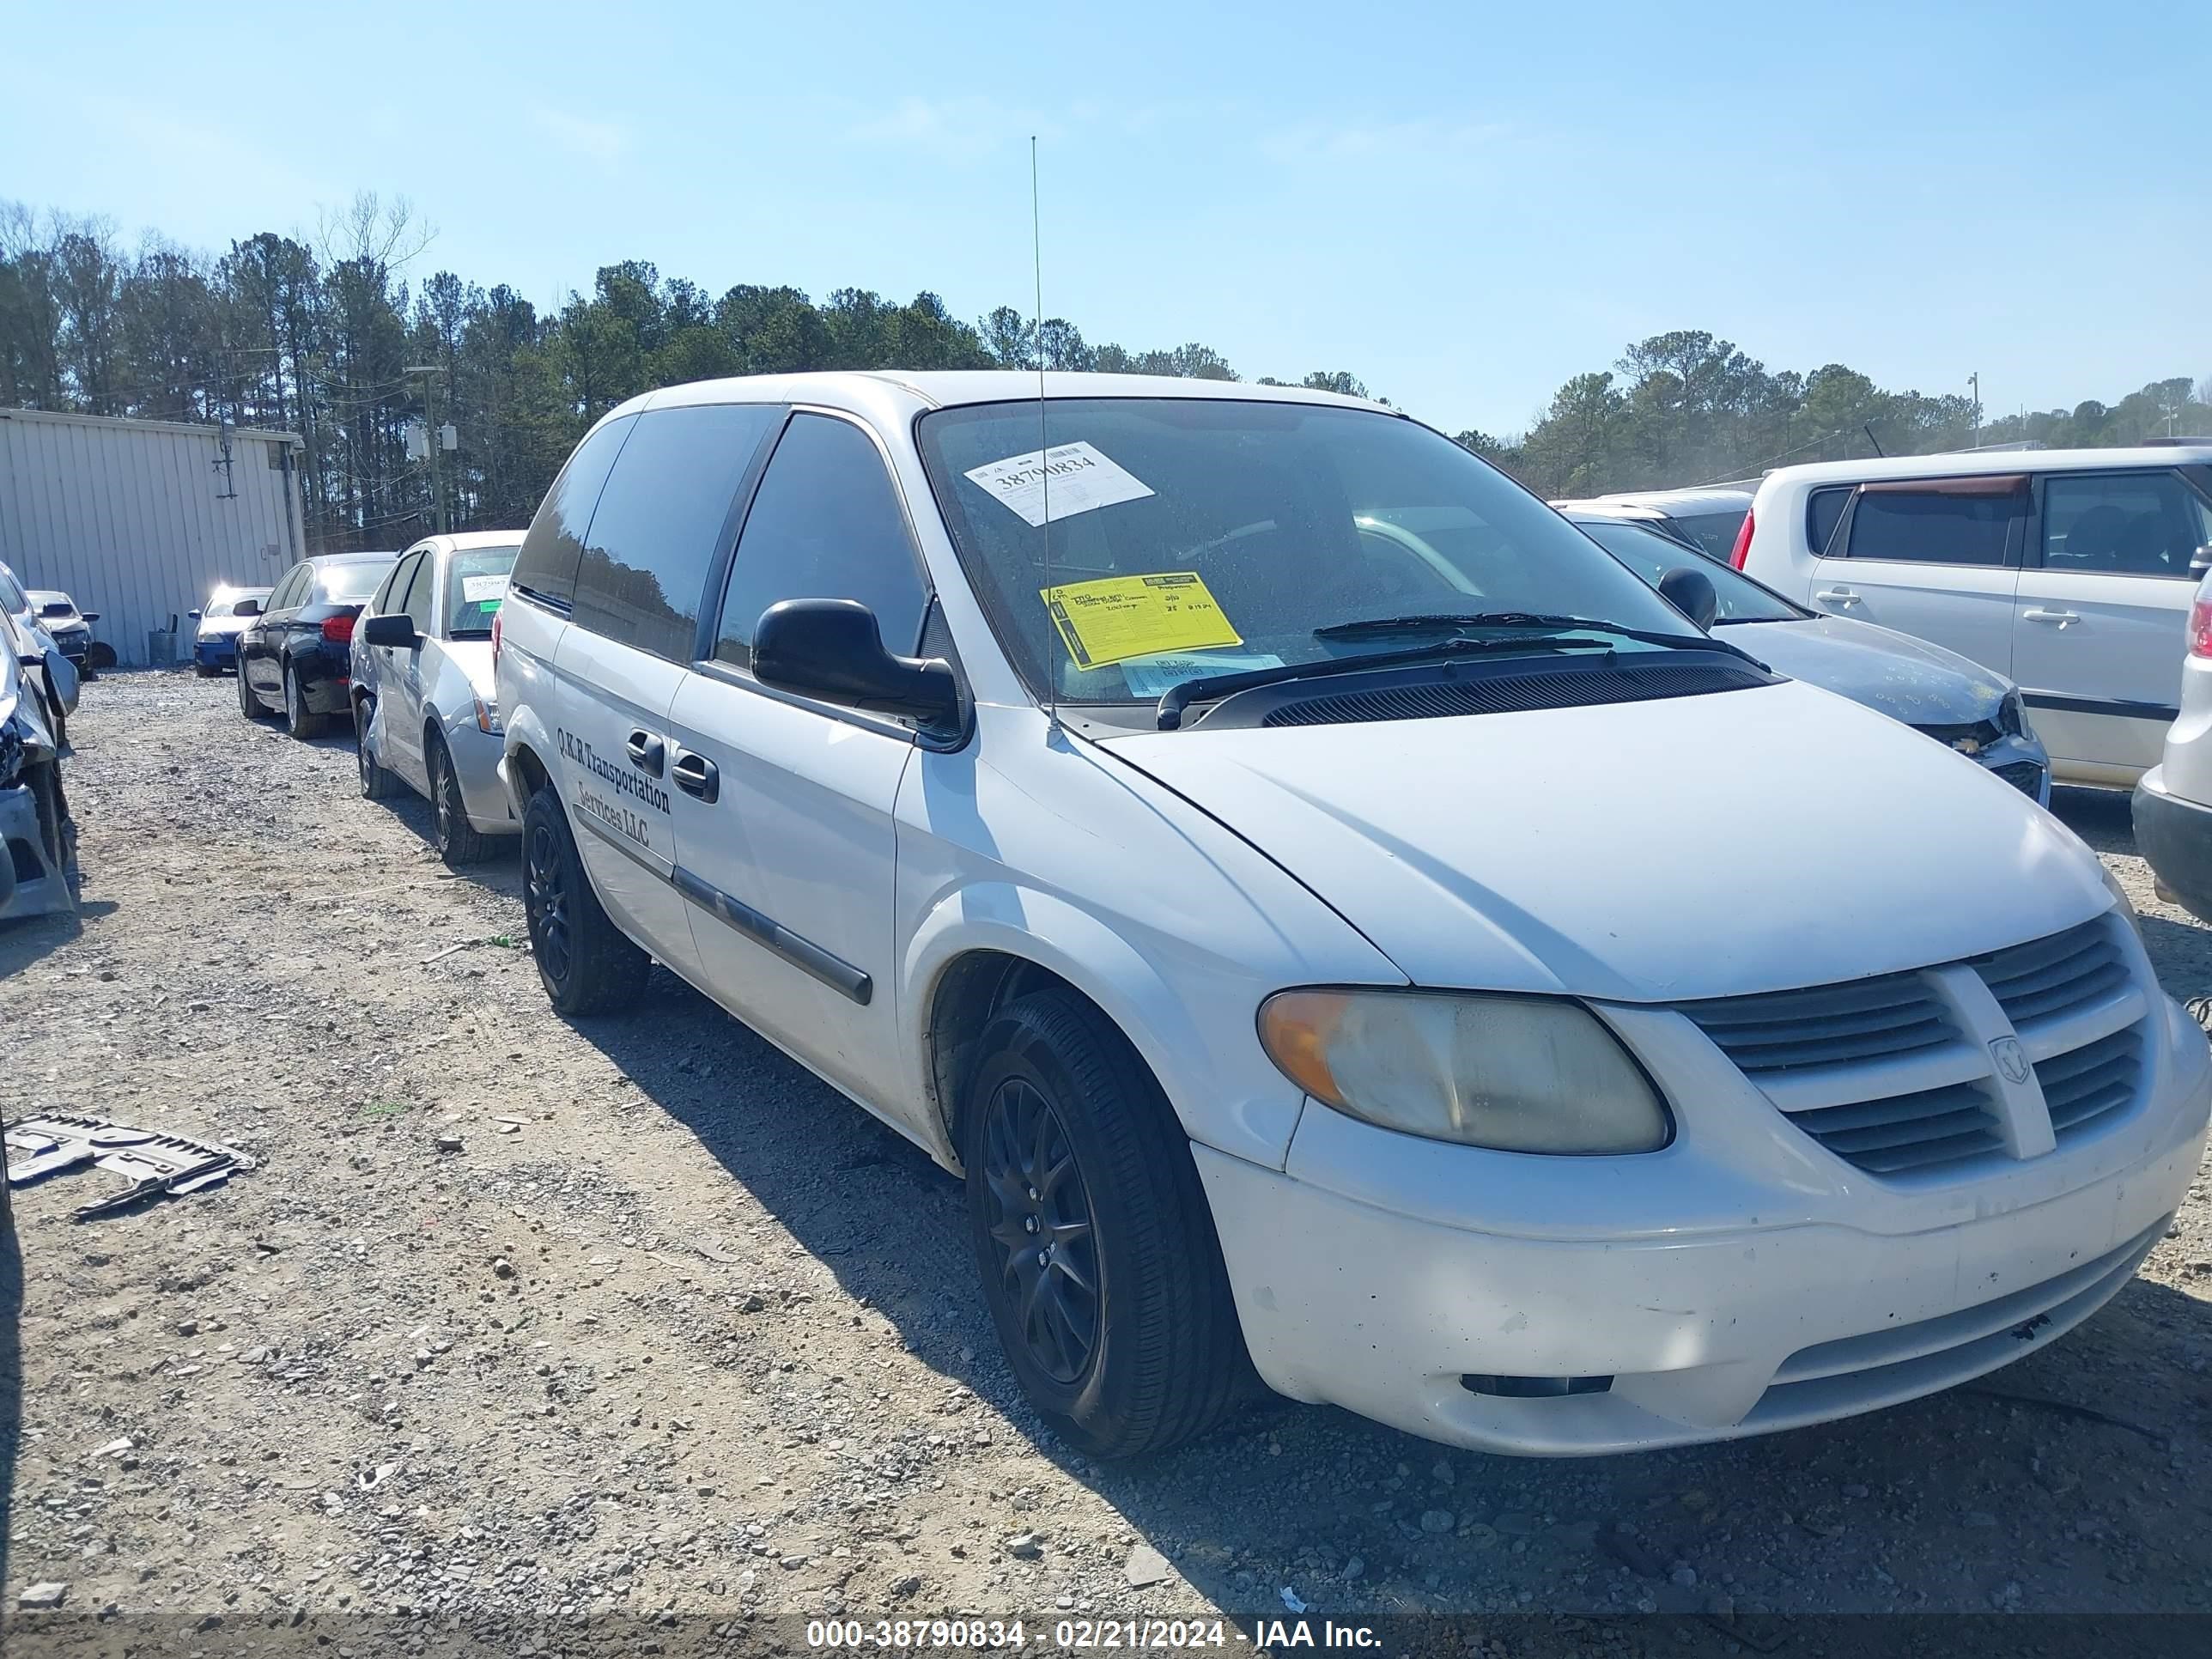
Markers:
point(125, 517)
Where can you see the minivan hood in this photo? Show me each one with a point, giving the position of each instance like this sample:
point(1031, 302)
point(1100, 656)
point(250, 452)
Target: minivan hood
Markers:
point(1703, 846)
point(1905, 678)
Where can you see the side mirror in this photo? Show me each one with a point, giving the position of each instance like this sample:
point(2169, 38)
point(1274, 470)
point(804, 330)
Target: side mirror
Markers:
point(191, 616)
point(94, 616)
point(2201, 560)
point(394, 629)
point(1691, 592)
point(832, 649)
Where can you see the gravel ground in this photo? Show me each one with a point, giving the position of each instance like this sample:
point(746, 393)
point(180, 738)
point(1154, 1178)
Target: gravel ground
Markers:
point(673, 1329)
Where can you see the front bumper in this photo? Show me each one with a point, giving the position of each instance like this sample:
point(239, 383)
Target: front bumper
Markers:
point(1712, 1305)
point(477, 755)
point(2175, 839)
point(217, 650)
point(2024, 763)
point(31, 883)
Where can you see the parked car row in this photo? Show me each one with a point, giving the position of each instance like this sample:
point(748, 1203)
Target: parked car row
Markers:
point(1342, 921)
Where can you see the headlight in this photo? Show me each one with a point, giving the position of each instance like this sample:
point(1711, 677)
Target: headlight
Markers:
point(488, 717)
point(1522, 1074)
point(2012, 716)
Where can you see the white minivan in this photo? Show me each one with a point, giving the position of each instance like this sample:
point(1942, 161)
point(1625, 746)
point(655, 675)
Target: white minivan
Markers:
point(1339, 922)
point(2066, 570)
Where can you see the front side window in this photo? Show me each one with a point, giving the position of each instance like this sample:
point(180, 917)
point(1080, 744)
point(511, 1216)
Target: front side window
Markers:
point(11, 592)
point(1197, 536)
point(1651, 556)
point(659, 523)
point(555, 545)
point(391, 595)
point(288, 590)
point(2125, 524)
point(1969, 522)
point(420, 603)
point(475, 586)
point(825, 524)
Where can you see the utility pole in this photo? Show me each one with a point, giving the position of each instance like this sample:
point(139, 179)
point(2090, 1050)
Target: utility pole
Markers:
point(1975, 381)
point(434, 433)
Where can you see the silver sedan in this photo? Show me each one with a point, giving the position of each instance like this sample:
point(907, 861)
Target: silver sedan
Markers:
point(426, 714)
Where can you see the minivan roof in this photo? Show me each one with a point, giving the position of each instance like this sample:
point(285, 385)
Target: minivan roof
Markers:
point(946, 388)
point(1969, 463)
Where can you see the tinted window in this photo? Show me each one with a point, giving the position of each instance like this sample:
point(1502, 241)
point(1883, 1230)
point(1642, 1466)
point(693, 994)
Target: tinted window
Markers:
point(659, 524)
point(825, 524)
point(555, 542)
point(11, 594)
point(390, 593)
point(1934, 527)
point(2140, 523)
point(476, 584)
point(288, 590)
point(350, 584)
point(1823, 513)
point(1713, 531)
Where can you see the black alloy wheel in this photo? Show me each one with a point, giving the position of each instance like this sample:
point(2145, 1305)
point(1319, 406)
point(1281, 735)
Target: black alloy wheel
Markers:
point(1043, 1228)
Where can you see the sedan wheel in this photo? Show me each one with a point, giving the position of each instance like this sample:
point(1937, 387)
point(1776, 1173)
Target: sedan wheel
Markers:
point(302, 721)
point(458, 841)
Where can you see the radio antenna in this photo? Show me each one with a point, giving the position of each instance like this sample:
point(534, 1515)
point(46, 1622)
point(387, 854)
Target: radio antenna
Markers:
point(1044, 452)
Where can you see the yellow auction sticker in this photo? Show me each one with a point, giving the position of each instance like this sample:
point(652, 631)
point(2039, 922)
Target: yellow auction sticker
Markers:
point(1116, 617)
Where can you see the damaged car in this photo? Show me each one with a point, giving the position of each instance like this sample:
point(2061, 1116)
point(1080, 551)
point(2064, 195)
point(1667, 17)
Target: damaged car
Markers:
point(1964, 707)
point(38, 875)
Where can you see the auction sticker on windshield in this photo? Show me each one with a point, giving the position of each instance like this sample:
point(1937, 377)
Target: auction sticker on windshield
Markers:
point(1152, 677)
point(1068, 478)
point(1117, 617)
point(483, 590)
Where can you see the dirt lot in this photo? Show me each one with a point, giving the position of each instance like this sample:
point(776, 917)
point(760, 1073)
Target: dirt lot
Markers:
point(676, 1329)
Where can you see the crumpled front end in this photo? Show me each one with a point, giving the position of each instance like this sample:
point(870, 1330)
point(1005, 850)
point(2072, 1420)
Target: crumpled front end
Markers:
point(38, 838)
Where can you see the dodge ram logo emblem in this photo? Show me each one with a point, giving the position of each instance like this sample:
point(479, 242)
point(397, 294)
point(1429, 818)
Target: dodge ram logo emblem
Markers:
point(2011, 1058)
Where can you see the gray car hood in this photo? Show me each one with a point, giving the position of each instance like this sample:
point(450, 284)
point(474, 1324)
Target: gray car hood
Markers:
point(1908, 679)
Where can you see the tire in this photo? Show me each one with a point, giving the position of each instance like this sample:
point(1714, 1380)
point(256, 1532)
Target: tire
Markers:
point(300, 720)
point(585, 963)
point(1059, 1092)
point(458, 844)
point(249, 703)
point(377, 783)
point(202, 670)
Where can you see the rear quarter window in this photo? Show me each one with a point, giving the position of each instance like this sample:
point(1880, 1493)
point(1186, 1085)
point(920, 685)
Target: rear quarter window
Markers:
point(1824, 511)
point(555, 545)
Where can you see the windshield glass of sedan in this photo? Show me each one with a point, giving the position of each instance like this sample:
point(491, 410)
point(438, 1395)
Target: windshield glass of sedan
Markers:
point(351, 584)
point(476, 583)
point(1651, 556)
point(1197, 536)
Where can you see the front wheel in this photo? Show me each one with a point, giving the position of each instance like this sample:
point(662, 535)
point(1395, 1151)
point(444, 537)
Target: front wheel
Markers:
point(1093, 1234)
point(458, 843)
point(585, 963)
point(377, 783)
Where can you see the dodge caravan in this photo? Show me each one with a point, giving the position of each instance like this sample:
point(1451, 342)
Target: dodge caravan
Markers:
point(1340, 923)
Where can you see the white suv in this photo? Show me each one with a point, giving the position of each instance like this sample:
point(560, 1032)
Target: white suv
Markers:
point(2067, 571)
point(1272, 857)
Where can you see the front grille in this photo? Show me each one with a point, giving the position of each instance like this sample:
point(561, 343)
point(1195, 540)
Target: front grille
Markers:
point(1897, 1075)
point(2091, 1082)
point(2048, 978)
point(1969, 738)
point(2027, 776)
point(1863, 1020)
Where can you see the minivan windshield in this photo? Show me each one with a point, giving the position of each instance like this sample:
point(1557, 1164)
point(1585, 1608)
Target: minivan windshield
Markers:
point(1192, 537)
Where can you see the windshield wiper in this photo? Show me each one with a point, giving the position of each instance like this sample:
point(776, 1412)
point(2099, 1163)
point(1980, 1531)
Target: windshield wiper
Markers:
point(1180, 695)
point(1545, 620)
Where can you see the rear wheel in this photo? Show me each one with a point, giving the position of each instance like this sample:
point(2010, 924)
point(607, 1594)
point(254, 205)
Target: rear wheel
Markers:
point(585, 963)
point(377, 783)
point(1093, 1234)
point(248, 704)
point(458, 843)
point(300, 719)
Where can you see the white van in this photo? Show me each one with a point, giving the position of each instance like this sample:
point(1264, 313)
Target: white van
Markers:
point(2067, 570)
point(1338, 921)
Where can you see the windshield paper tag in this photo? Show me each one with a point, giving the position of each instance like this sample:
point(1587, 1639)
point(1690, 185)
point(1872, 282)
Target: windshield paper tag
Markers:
point(1152, 677)
point(1117, 617)
point(1076, 477)
point(476, 590)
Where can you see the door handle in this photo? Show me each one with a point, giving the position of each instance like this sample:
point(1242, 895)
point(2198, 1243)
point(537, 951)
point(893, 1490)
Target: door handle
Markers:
point(2062, 617)
point(1837, 595)
point(697, 776)
point(647, 752)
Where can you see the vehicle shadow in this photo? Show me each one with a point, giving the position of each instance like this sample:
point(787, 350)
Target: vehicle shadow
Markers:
point(25, 942)
point(1345, 1513)
point(501, 871)
point(11, 1369)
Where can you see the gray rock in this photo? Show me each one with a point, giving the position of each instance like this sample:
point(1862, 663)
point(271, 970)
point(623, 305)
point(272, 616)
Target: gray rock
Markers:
point(1683, 1577)
point(1146, 1565)
point(1438, 1521)
point(1024, 1547)
point(50, 1593)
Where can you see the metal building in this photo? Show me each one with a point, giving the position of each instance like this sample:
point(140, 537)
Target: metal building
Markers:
point(139, 519)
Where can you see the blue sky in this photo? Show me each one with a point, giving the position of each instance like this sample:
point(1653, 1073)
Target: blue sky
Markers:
point(1463, 204)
